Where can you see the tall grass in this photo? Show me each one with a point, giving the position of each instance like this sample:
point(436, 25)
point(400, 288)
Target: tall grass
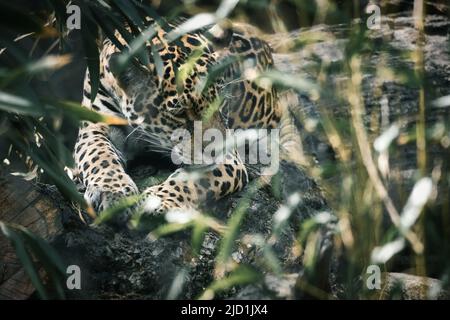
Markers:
point(381, 217)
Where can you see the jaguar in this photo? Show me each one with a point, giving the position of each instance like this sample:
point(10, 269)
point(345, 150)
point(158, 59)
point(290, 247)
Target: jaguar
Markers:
point(171, 92)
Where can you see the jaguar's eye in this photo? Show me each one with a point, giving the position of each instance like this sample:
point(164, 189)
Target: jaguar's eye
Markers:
point(177, 110)
point(175, 104)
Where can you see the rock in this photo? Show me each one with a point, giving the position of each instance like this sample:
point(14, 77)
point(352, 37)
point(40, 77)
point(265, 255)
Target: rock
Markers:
point(409, 287)
point(130, 265)
point(397, 30)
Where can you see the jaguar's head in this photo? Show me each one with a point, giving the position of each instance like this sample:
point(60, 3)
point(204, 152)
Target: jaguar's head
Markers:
point(175, 88)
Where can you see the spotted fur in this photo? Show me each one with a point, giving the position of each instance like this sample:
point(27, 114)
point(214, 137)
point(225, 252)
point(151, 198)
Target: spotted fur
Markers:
point(156, 104)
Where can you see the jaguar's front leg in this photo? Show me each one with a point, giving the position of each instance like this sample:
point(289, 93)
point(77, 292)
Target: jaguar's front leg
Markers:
point(183, 191)
point(100, 166)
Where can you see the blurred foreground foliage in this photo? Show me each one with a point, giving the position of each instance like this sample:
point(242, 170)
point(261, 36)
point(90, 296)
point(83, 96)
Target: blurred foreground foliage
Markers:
point(372, 226)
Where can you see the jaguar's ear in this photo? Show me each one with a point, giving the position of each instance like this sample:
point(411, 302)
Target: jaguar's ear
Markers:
point(221, 33)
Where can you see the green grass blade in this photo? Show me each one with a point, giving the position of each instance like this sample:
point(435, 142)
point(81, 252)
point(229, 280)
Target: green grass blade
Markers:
point(25, 258)
point(240, 276)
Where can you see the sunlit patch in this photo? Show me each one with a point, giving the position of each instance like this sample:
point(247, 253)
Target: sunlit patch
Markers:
point(152, 203)
point(181, 216)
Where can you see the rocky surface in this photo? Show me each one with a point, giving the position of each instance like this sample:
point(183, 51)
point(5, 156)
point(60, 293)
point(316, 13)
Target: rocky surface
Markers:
point(400, 101)
point(123, 264)
point(126, 264)
point(409, 287)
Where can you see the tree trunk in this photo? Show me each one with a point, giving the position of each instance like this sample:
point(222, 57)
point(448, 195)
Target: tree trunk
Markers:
point(23, 203)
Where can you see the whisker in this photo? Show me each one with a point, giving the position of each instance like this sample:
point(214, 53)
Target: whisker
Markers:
point(152, 140)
